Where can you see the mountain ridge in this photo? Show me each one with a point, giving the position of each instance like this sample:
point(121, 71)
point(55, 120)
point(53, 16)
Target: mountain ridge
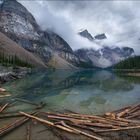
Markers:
point(18, 24)
point(106, 56)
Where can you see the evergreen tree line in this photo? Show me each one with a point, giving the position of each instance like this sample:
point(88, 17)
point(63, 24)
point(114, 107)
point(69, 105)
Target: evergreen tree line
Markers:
point(130, 63)
point(12, 60)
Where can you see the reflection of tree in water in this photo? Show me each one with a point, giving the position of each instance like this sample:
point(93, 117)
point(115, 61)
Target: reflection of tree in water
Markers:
point(132, 79)
point(46, 83)
point(103, 80)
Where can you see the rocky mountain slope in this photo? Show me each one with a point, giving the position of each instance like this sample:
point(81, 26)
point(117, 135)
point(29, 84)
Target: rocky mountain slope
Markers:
point(9, 48)
point(104, 57)
point(17, 23)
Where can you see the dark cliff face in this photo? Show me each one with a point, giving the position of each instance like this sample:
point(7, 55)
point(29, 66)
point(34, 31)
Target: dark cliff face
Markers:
point(56, 42)
point(19, 25)
point(100, 37)
point(86, 34)
point(59, 45)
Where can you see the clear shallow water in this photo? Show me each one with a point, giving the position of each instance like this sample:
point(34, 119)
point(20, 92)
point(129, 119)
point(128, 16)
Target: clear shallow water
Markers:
point(90, 92)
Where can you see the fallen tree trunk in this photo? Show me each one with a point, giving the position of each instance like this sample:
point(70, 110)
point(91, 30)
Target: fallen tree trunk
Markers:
point(10, 127)
point(58, 134)
point(128, 110)
point(82, 122)
point(11, 115)
point(38, 106)
point(81, 132)
point(2, 108)
point(97, 119)
point(46, 122)
point(68, 129)
point(26, 101)
point(7, 95)
point(28, 132)
point(119, 129)
point(133, 115)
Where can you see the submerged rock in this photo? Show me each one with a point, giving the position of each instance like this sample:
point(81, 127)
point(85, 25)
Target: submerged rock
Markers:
point(2, 90)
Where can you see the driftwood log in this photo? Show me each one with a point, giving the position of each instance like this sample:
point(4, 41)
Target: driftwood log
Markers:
point(63, 127)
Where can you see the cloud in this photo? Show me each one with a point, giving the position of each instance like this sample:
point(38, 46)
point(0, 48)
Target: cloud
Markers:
point(118, 19)
point(48, 19)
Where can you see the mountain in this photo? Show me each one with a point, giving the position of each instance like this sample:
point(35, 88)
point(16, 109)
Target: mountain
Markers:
point(100, 37)
point(19, 25)
point(10, 49)
point(106, 56)
point(86, 34)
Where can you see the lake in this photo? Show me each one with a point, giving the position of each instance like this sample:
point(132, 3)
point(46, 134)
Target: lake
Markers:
point(87, 92)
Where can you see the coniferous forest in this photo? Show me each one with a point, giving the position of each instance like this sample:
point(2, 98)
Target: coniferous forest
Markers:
point(130, 63)
point(12, 60)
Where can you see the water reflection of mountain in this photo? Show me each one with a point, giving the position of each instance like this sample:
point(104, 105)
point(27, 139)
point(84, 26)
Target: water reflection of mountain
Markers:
point(53, 82)
point(84, 91)
point(103, 80)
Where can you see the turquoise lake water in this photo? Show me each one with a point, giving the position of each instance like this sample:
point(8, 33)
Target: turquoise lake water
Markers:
point(90, 92)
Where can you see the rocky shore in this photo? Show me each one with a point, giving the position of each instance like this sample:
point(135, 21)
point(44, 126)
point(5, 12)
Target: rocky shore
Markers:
point(10, 73)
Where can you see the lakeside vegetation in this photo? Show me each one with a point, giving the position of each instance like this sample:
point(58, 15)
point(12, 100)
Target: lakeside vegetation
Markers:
point(130, 63)
point(13, 60)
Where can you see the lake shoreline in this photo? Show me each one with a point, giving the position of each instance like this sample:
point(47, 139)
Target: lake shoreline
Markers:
point(8, 74)
point(128, 72)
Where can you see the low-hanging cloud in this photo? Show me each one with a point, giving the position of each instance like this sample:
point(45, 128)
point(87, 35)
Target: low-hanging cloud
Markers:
point(118, 19)
point(47, 19)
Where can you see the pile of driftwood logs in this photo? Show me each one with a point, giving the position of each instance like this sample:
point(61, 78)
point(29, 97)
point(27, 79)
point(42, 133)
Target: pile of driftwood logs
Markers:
point(75, 123)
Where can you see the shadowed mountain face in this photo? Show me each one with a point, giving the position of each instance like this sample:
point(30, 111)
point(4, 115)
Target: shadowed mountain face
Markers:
point(86, 34)
point(100, 37)
point(104, 57)
point(18, 24)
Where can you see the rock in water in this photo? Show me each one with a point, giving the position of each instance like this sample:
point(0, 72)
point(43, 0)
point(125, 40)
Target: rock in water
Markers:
point(2, 90)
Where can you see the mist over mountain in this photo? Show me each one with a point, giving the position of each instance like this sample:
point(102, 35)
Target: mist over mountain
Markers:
point(53, 39)
point(105, 56)
point(119, 20)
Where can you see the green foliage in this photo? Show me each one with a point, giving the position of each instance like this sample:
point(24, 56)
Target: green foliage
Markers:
point(10, 60)
point(130, 63)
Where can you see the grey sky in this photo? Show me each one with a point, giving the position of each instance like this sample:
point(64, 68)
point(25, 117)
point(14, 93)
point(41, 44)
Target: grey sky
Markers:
point(120, 20)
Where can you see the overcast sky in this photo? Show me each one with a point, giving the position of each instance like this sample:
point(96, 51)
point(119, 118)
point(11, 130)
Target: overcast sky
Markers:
point(119, 20)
